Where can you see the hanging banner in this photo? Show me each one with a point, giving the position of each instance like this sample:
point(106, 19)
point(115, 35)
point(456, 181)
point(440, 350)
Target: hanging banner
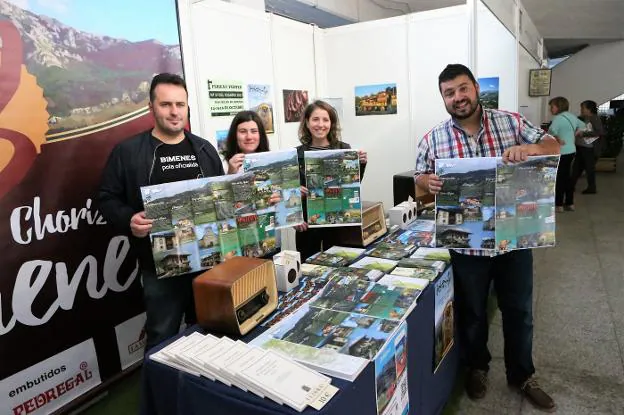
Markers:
point(67, 96)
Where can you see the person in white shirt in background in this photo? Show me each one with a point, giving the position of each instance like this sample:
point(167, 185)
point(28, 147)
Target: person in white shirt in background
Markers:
point(246, 135)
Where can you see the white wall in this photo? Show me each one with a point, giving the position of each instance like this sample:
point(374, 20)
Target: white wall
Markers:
point(410, 51)
point(437, 38)
point(213, 54)
point(382, 60)
point(529, 36)
point(497, 57)
point(293, 68)
point(505, 11)
point(596, 73)
point(531, 107)
point(264, 49)
point(254, 4)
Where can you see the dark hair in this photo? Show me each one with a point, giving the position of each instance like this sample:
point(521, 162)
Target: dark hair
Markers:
point(334, 131)
point(454, 70)
point(166, 78)
point(231, 143)
point(590, 105)
point(561, 103)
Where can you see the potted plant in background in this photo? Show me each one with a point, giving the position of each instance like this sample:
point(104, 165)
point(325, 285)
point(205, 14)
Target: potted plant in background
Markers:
point(612, 145)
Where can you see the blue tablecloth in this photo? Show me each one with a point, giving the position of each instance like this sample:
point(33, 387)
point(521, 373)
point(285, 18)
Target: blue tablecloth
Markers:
point(166, 391)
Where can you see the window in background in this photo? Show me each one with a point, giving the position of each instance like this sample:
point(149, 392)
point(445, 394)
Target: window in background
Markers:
point(605, 108)
point(556, 61)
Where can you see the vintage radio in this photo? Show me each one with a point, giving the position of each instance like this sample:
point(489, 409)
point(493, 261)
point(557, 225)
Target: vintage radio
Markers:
point(236, 295)
point(373, 227)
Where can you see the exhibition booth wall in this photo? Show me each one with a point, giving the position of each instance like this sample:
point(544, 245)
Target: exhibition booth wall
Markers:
point(402, 54)
point(73, 281)
point(530, 107)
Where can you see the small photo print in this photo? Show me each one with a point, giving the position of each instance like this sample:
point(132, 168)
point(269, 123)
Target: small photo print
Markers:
point(376, 99)
point(316, 211)
point(181, 214)
point(207, 236)
point(295, 102)
point(221, 136)
point(229, 244)
point(489, 90)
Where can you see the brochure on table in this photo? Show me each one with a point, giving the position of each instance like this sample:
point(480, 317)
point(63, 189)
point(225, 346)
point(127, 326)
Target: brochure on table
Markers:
point(419, 233)
point(444, 318)
point(356, 295)
point(486, 204)
point(333, 181)
point(309, 287)
point(392, 393)
point(344, 326)
point(234, 363)
point(336, 343)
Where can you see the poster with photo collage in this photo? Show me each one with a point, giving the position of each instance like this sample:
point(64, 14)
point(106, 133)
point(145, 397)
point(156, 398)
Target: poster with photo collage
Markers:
point(202, 222)
point(333, 182)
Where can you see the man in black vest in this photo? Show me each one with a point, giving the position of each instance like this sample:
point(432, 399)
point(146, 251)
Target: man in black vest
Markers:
point(166, 153)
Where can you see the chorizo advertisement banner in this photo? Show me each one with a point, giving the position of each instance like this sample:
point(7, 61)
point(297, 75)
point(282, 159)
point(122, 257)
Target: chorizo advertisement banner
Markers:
point(74, 82)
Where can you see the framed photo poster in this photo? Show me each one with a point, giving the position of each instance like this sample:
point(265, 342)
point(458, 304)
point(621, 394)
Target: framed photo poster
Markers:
point(539, 82)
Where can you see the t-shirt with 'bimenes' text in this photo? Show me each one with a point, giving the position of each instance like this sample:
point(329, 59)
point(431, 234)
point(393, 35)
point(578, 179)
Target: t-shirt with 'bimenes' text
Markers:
point(174, 162)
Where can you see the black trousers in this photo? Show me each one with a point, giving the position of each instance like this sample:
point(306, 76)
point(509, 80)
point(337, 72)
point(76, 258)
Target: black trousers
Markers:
point(512, 274)
point(564, 188)
point(585, 160)
point(310, 242)
point(166, 301)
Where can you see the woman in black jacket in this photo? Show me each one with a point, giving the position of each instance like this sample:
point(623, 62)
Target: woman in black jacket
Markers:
point(319, 130)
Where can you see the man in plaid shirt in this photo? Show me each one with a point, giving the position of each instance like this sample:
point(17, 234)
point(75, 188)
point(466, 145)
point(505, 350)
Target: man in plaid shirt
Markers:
point(473, 131)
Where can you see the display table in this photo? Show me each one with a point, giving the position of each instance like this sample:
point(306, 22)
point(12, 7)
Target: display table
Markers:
point(167, 391)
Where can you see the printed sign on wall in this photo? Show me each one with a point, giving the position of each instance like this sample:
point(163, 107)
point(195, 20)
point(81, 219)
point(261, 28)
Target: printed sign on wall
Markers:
point(225, 98)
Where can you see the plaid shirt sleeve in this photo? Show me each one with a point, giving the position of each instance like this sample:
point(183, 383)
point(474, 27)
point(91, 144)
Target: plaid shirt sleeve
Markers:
point(527, 132)
point(425, 160)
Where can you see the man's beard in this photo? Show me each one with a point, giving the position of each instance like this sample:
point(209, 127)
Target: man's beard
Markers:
point(473, 108)
point(163, 126)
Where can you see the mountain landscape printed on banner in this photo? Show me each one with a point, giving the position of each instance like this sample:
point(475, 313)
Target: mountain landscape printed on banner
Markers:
point(87, 79)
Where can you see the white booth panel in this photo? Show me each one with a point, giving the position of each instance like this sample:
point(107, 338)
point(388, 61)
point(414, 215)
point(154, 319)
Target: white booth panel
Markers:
point(294, 69)
point(497, 58)
point(530, 107)
point(372, 53)
point(221, 53)
point(437, 38)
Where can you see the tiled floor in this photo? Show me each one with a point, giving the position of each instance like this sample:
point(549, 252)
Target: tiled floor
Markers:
point(578, 342)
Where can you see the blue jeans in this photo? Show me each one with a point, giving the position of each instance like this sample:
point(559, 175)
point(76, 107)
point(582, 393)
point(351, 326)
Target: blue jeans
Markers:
point(512, 274)
point(166, 301)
